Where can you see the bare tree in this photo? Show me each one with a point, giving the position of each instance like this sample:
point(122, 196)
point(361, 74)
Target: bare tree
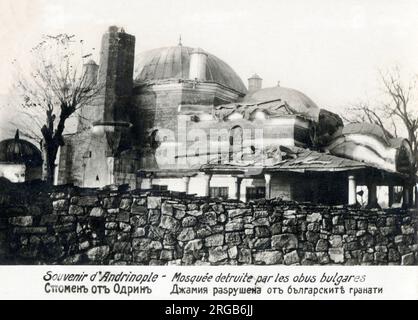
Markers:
point(401, 103)
point(54, 89)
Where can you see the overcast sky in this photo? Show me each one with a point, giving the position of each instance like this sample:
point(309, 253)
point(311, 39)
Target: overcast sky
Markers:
point(330, 50)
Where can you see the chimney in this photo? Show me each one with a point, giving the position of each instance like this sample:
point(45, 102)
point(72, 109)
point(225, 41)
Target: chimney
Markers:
point(197, 69)
point(254, 83)
point(90, 69)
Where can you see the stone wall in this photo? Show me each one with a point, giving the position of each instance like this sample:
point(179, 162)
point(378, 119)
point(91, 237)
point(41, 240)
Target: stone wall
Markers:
point(70, 225)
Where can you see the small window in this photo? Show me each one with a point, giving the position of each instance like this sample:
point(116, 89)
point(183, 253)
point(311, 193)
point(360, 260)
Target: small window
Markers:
point(158, 187)
point(219, 192)
point(255, 193)
point(87, 154)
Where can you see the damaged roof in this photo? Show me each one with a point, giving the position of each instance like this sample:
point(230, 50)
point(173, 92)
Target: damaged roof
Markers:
point(368, 129)
point(296, 160)
point(308, 160)
point(296, 100)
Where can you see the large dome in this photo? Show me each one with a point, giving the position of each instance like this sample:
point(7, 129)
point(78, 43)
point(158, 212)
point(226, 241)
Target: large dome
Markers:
point(296, 100)
point(173, 63)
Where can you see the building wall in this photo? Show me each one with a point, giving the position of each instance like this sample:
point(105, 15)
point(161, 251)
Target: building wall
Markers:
point(173, 184)
point(82, 159)
point(197, 184)
point(247, 182)
point(85, 160)
point(65, 162)
point(97, 167)
point(281, 186)
point(33, 173)
point(157, 105)
point(197, 142)
point(156, 109)
point(126, 166)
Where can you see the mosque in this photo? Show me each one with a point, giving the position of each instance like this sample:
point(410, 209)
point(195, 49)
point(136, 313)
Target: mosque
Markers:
point(181, 119)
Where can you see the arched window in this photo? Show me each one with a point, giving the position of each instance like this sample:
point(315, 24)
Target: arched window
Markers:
point(235, 143)
point(154, 139)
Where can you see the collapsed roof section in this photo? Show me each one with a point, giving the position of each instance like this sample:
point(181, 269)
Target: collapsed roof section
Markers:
point(297, 101)
point(271, 108)
point(297, 160)
point(369, 143)
point(291, 158)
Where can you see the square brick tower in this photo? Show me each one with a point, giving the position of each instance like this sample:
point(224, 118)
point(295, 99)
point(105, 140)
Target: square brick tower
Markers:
point(91, 157)
point(115, 79)
point(116, 73)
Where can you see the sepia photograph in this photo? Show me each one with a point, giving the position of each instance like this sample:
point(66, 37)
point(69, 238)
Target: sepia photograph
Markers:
point(209, 133)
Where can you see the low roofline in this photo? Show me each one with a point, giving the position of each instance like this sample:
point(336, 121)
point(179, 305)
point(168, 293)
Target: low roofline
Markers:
point(167, 173)
point(178, 173)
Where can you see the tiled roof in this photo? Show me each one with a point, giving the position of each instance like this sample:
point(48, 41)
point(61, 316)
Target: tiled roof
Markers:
point(308, 160)
point(299, 160)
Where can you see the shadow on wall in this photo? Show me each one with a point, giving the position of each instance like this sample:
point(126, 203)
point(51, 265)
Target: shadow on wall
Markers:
point(144, 117)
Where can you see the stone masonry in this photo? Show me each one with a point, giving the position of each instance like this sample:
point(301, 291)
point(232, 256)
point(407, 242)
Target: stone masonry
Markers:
point(71, 225)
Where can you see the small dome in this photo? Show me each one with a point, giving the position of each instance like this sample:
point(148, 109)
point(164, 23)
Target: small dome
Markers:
point(174, 62)
point(255, 76)
point(20, 151)
point(113, 29)
point(296, 100)
point(91, 61)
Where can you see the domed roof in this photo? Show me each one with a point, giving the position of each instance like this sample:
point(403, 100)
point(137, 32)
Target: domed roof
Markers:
point(20, 151)
point(296, 100)
point(91, 62)
point(173, 63)
point(366, 128)
point(255, 76)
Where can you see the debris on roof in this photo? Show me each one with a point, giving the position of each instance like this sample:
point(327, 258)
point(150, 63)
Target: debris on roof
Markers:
point(271, 108)
point(291, 159)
